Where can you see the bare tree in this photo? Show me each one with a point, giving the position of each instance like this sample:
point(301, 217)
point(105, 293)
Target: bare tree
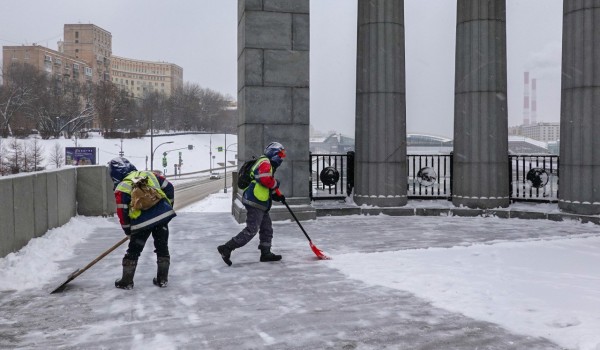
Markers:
point(109, 103)
point(185, 106)
point(35, 156)
point(57, 157)
point(212, 105)
point(18, 90)
point(4, 169)
point(15, 156)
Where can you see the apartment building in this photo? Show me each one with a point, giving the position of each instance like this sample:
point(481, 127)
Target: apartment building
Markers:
point(47, 60)
point(85, 54)
point(139, 77)
point(91, 44)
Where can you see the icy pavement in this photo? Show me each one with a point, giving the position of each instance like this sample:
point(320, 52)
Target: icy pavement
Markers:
point(363, 299)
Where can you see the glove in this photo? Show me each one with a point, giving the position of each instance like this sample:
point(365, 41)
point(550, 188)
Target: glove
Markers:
point(278, 196)
point(127, 231)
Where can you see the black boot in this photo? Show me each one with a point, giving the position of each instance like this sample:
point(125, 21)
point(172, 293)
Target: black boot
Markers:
point(162, 274)
point(225, 251)
point(126, 282)
point(266, 255)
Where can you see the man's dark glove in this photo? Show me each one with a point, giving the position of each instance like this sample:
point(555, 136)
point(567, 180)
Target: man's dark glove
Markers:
point(127, 231)
point(278, 196)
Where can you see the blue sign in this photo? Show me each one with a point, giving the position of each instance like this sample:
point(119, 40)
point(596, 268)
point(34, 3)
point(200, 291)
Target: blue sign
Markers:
point(80, 155)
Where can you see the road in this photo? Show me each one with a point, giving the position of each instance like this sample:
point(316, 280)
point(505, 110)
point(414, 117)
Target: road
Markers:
point(191, 190)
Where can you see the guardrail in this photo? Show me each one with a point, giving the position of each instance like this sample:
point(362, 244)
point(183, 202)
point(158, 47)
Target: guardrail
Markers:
point(532, 177)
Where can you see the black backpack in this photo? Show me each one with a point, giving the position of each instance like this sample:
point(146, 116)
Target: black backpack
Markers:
point(245, 174)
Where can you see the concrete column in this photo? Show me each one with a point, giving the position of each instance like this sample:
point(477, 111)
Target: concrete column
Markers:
point(480, 173)
point(273, 91)
point(579, 167)
point(380, 168)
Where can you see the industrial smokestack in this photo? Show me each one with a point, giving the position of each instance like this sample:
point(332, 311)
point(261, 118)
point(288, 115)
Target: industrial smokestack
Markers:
point(533, 102)
point(526, 100)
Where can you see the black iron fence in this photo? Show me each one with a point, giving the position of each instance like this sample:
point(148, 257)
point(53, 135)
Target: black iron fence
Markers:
point(331, 175)
point(532, 177)
point(429, 176)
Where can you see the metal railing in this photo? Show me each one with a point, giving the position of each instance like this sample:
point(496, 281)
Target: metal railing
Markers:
point(531, 177)
point(331, 175)
point(429, 176)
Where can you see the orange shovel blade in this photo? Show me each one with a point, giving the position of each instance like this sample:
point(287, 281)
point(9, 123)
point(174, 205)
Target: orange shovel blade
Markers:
point(318, 252)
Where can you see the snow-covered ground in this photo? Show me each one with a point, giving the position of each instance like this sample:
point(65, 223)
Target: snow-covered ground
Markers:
point(138, 150)
point(394, 282)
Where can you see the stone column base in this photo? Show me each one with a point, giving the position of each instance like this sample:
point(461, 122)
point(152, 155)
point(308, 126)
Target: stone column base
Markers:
point(578, 208)
point(481, 203)
point(380, 201)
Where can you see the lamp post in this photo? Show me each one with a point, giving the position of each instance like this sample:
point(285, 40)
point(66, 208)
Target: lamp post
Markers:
point(154, 150)
point(225, 177)
point(121, 153)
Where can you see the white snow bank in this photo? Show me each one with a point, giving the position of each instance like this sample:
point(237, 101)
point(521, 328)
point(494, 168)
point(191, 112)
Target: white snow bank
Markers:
point(37, 263)
point(544, 288)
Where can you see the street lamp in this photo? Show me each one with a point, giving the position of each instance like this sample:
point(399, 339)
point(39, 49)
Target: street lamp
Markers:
point(121, 153)
point(154, 150)
point(225, 177)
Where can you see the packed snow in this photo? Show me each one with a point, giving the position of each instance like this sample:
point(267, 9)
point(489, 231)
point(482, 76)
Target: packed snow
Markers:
point(534, 278)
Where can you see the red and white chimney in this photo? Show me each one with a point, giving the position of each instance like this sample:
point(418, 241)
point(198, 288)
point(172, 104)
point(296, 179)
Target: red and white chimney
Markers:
point(526, 100)
point(533, 102)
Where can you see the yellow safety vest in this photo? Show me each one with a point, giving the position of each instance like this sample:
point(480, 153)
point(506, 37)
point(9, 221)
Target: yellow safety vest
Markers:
point(126, 186)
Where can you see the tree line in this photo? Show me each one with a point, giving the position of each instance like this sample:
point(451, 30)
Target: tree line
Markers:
point(54, 105)
point(32, 101)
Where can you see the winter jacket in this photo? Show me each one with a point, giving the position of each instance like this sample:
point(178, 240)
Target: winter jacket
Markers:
point(263, 184)
point(159, 214)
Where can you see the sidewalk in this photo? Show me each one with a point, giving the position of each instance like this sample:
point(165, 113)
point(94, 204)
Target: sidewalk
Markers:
point(298, 303)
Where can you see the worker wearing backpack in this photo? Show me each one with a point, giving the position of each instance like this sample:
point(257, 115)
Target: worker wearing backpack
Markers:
point(141, 222)
point(257, 200)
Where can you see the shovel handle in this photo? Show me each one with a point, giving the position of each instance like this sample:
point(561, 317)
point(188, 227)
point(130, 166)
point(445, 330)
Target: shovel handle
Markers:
point(295, 218)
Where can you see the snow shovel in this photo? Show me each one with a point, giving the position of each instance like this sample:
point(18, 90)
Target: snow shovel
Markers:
point(78, 272)
point(318, 252)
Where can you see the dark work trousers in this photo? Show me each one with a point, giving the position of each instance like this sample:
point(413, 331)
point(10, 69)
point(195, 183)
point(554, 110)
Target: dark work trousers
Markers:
point(137, 241)
point(256, 221)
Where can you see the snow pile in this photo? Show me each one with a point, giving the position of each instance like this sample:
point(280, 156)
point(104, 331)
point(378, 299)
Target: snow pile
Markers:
point(37, 263)
point(545, 288)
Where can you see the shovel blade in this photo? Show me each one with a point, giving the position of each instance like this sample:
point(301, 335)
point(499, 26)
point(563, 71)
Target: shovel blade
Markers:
point(318, 252)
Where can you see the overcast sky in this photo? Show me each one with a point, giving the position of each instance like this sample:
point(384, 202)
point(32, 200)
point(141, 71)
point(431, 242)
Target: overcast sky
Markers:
point(201, 35)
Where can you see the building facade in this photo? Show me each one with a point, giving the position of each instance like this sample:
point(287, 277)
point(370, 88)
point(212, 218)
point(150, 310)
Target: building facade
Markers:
point(47, 60)
point(140, 77)
point(542, 131)
point(92, 45)
point(85, 54)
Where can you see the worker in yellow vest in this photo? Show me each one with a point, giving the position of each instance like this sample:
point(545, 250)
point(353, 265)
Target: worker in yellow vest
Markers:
point(140, 224)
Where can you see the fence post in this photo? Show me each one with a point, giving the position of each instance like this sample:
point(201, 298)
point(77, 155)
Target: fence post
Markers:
point(350, 174)
point(310, 172)
point(451, 174)
point(510, 180)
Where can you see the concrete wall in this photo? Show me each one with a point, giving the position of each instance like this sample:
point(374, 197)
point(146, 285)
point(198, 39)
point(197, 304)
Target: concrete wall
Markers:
point(32, 204)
